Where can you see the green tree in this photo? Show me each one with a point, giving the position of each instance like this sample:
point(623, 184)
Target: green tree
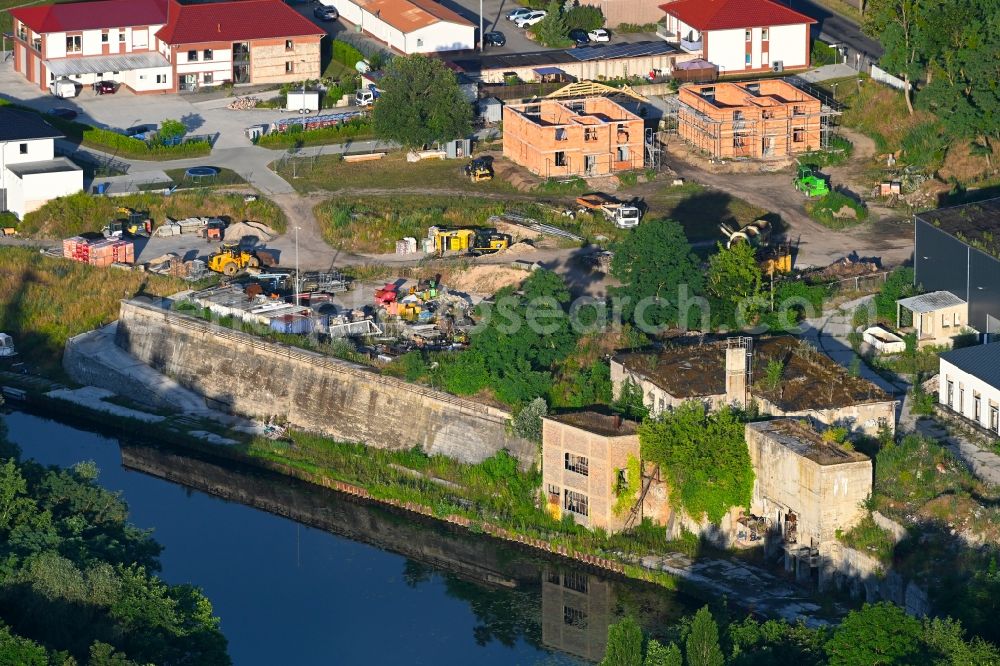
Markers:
point(528, 422)
point(171, 129)
point(702, 645)
point(897, 24)
point(878, 634)
point(551, 30)
point(703, 457)
point(624, 644)
point(630, 402)
point(421, 103)
point(658, 654)
point(658, 271)
point(735, 283)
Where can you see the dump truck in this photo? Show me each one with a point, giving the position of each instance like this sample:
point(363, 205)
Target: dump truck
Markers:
point(809, 182)
point(479, 169)
point(623, 215)
point(231, 259)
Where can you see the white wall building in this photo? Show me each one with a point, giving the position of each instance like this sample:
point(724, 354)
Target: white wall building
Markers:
point(30, 173)
point(739, 36)
point(409, 26)
point(969, 384)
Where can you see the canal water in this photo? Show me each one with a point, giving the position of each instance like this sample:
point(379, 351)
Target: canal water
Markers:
point(335, 581)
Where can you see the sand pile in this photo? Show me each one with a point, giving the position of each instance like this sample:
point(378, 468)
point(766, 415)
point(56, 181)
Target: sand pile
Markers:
point(486, 279)
point(237, 230)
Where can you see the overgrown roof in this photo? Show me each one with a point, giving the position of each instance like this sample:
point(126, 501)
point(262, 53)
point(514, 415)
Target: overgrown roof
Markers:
point(806, 442)
point(977, 224)
point(809, 380)
point(597, 420)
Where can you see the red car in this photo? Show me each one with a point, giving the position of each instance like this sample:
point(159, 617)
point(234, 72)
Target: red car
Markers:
point(105, 87)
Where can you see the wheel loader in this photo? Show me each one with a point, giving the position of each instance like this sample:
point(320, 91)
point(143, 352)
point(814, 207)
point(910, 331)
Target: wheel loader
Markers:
point(231, 259)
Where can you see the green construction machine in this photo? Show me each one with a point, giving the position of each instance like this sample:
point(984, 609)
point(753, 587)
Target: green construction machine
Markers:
point(810, 183)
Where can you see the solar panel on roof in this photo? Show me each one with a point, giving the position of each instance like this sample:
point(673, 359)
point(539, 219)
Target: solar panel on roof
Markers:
point(638, 49)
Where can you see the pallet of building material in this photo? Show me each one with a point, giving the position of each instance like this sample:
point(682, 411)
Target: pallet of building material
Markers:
point(192, 225)
point(363, 157)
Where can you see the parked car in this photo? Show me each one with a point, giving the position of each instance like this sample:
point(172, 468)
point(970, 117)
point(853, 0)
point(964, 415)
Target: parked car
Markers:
point(579, 36)
point(63, 88)
point(105, 87)
point(599, 35)
point(63, 112)
point(326, 13)
point(494, 38)
point(530, 19)
point(518, 13)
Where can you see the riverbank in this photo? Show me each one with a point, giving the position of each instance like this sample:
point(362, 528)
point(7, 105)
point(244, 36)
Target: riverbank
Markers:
point(682, 565)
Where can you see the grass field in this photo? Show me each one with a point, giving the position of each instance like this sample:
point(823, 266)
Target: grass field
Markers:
point(44, 301)
point(330, 172)
point(68, 216)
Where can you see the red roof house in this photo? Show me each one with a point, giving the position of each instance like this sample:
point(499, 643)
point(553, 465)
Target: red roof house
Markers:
point(740, 35)
point(165, 46)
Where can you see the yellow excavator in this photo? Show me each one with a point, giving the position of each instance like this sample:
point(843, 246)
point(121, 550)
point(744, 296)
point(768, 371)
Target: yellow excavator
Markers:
point(479, 169)
point(231, 259)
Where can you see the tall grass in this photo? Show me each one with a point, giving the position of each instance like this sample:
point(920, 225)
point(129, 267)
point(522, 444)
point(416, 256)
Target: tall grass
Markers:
point(44, 301)
point(81, 212)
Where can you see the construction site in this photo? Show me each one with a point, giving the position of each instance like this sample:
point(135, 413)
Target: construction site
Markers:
point(762, 120)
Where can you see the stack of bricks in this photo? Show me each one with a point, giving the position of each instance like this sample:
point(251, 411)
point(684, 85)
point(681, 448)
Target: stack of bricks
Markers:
point(99, 253)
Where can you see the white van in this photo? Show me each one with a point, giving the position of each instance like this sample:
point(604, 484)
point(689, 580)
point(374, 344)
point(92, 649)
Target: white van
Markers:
point(366, 96)
point(63, 88)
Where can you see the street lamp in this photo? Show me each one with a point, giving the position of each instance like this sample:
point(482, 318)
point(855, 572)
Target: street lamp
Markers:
point(297, 266)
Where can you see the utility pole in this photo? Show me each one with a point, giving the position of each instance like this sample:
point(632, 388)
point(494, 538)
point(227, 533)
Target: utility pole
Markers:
point(297, 283)
point(482, 35)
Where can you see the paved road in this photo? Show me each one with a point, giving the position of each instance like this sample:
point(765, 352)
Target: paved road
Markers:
point(835, 28)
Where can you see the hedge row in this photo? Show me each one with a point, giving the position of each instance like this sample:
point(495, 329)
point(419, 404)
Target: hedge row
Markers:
point(335, 134)
point(128, 147)
point(346, 54)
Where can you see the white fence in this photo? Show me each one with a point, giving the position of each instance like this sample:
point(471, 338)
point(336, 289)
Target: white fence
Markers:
point(882, 76)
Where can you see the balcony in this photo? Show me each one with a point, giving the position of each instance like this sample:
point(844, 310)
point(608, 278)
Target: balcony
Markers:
point(690, 46)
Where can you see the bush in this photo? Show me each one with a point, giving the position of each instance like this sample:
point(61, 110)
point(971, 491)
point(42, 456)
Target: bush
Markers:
point(830, 210)
point(637, 27)
point(585, 17)
point(925, 145)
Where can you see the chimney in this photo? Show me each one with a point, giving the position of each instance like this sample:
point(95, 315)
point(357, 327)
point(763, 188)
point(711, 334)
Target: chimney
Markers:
point(738, 371)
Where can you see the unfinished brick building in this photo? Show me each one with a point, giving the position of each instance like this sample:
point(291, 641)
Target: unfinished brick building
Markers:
point(581, 137)
point(769, 119)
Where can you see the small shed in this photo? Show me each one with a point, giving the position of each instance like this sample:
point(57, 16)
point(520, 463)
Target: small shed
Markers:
point(491, 110)
point(292, 323)
point(458, 148)
point(552, 75)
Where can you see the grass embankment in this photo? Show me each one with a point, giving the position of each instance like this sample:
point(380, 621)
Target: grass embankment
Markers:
point(44, 301)
point(494, 490)
point(81, 212)
point(392, 172)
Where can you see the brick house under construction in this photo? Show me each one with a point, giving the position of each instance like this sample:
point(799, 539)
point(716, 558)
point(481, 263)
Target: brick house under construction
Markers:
point(594, 136)
point(754, 119)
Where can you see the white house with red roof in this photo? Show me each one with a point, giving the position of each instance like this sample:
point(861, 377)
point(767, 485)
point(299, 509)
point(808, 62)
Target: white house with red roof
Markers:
point(409, 26)
point(739, 36)
point(164, 46)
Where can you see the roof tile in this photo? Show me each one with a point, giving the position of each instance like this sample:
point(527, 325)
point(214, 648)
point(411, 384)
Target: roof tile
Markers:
point(732, 14)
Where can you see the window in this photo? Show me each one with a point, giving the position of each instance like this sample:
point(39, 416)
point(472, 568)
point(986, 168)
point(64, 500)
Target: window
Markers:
point(994, 418)
point(961, 399)
point(420, 42)
point(74, 43)
point(797, 111)
point(798, 134)
point(590, 134)
point(574, 617)
point(622, 155)
point(560, 159)
point(121, 36)
point(763, 34)
point(950, 395)
point(161, 78)
point(577, 503)
point(575, 580)
point(747, 60)
point(207, 77)
point(958, 319)
point(945, 321)
point(554, 490)
point(289, 45)
point(737, 116)
point(748, 34)
point(977, 407)
point(23, 148)
point(561, 134)
point(104, 37)
point(578, 464)
point(192, 56)
point(289, 67)
point(554, 578)
point(207, 54)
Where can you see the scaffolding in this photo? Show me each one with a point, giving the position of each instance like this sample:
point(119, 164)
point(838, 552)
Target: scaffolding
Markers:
point(760, 128)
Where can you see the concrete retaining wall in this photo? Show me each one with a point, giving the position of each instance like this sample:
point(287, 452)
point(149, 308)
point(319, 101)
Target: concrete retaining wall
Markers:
point(345, 401)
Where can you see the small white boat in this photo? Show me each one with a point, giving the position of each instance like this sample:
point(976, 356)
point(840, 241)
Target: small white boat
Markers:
point(7, 346)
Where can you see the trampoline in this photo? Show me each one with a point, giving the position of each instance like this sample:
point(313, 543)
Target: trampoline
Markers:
point(201, 172)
